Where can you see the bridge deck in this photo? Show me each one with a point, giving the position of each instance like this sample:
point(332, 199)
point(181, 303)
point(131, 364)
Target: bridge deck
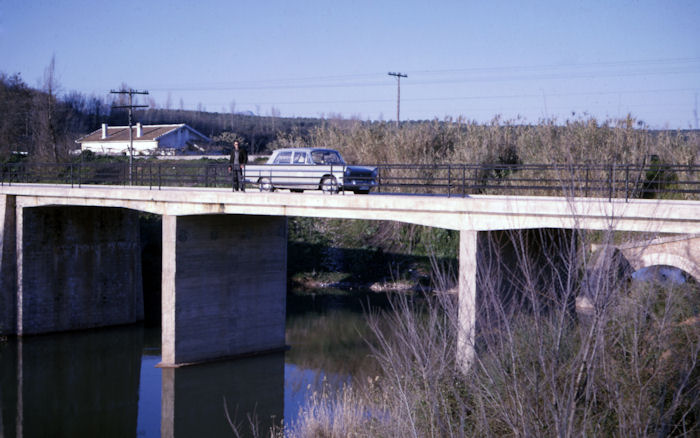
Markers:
point(474, 212)
point(196, 228)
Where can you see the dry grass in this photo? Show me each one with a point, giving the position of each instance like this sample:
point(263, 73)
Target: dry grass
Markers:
point(630, 368)
point(582, 140)
point(627, 368)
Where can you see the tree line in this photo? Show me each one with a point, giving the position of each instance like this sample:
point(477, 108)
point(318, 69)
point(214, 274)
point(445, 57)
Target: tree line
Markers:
point(41, 125)
point(38, 124)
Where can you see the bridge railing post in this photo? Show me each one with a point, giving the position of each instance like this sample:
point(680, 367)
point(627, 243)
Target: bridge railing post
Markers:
point(449, 180)
point(611, 181)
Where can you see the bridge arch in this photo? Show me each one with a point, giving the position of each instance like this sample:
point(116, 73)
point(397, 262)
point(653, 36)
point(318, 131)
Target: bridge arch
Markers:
point(665, 259)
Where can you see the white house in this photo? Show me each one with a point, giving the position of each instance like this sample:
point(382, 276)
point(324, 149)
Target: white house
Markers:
point(147, 139)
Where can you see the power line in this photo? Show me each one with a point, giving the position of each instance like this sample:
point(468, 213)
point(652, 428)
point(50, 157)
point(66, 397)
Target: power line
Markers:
point(130, 107)
point(398, 95)
point(663, 61)
point(473, 97)
point(488, 74)
point(514, 76)
point(458, 80)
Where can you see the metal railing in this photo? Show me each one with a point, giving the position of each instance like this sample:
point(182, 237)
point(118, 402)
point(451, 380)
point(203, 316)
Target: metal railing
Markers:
point(609, 181)
point(574, 180)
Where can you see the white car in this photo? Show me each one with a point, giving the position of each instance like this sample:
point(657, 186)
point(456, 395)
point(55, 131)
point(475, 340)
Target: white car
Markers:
point(299, 169)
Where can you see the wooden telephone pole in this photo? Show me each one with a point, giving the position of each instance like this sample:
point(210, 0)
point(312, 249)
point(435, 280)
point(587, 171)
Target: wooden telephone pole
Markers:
point(130, 107)
point(398, 95)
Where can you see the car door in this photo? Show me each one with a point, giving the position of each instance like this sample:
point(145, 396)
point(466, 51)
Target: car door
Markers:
point(302, 175)
point(282, 172)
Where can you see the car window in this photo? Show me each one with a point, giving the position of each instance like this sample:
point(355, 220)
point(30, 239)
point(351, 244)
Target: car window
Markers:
point(300, 157)
point(327, 157)
point(284, 157)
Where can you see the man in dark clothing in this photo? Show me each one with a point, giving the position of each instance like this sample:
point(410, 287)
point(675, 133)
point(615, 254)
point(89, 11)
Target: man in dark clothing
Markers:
point(237, 162)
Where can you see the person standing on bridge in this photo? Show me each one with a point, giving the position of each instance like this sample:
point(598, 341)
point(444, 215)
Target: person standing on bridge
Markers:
point(237, 162)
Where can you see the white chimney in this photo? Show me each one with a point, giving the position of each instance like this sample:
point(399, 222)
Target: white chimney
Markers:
point(139, 130)
point(104, 130)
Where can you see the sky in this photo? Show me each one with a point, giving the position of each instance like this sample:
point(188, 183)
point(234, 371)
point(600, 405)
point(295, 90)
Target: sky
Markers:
point(518, 60)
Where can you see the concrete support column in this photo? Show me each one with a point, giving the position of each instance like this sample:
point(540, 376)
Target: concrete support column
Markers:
point(224, 286)
point(77, 268)
point(8, 266)
point(517, 271)
point(467, 297)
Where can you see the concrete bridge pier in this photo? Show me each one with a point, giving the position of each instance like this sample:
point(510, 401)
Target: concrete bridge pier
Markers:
point(468, 245)
point(509, 271)
point(8, 266)
point(75, 268)
point(223, 286)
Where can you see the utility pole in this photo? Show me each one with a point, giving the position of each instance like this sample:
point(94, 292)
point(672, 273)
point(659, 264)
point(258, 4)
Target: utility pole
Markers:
point(130, 107)
point(398, 95)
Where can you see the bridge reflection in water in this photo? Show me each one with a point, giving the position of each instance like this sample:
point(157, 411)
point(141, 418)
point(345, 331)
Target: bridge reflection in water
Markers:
point(197, 399)
point(88, 384)
point(71, 384)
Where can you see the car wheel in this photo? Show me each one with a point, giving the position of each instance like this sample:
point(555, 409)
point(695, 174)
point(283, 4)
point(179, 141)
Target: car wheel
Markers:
point(265, 185)
point(329, 184)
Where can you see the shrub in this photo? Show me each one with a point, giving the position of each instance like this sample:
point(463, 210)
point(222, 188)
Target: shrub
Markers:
point(629, 369)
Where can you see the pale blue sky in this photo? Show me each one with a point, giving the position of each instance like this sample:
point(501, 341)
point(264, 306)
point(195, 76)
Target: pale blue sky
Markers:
point(476, 59)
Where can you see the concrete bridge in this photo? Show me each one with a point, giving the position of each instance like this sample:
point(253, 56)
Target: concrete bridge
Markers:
point(69, 257)
point(682, 252)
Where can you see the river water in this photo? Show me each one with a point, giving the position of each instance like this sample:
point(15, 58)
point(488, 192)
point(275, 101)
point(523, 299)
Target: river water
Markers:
point(105, 382)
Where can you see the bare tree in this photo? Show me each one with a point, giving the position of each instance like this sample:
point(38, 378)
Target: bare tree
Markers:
point(15, 106)
point(627, 367)
point(44, 116)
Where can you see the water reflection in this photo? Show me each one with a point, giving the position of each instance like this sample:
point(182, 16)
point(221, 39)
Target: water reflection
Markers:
point(71, 384)
point(197, 400)
point(104, 382)
point(328, 335)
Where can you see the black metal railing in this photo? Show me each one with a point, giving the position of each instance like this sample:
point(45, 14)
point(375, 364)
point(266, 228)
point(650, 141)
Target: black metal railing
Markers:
point(576, 180)
point(609, 181)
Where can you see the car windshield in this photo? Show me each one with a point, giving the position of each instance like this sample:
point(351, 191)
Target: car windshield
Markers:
point(326, 157)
